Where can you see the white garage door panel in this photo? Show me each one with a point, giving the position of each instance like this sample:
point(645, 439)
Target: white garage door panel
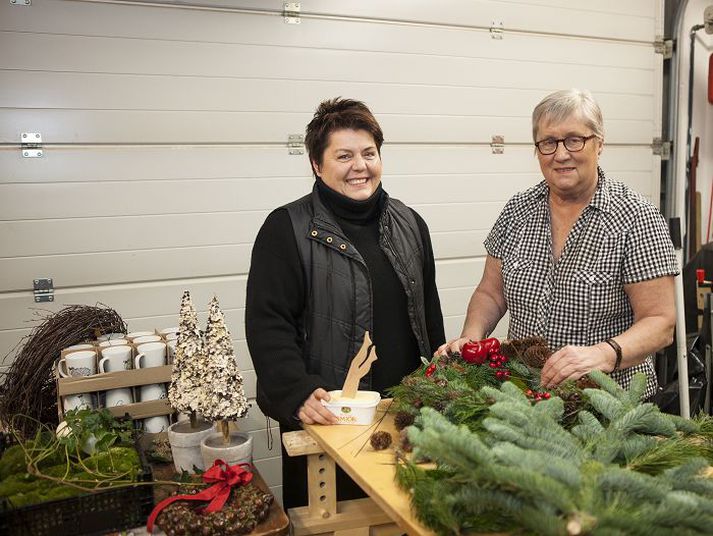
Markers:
point(131, 301)
point(88, 235)
point(125, 266)
point(113, 55)
point(459, 216)
point(633, 20)
point(79, 126)
point(454, 301)
point(457, 244)
point(98, 91)
point(133, 198)
point(401, 163)
point(135, 163)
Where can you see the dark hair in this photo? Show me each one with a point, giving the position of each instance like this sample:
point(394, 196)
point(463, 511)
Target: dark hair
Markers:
point(337, 114)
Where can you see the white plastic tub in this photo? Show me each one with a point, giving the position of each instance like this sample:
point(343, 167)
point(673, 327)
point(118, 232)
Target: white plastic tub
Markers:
point(359, 410)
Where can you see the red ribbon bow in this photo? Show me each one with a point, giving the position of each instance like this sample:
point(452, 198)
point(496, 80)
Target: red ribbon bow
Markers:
point(225, 477)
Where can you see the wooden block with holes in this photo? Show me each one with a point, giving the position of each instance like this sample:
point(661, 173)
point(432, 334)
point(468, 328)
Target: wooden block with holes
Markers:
point(323, 514)
point(386, 512)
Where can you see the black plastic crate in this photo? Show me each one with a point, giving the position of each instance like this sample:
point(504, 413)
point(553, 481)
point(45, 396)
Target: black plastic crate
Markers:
point(110, 510)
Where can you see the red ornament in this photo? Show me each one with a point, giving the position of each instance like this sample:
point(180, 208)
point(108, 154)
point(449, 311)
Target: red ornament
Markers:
point(474, 353)
point(492, 344)
point(430, 370)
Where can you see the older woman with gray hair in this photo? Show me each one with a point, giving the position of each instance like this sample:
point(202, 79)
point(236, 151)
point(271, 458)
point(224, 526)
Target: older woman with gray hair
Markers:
point(578, 259)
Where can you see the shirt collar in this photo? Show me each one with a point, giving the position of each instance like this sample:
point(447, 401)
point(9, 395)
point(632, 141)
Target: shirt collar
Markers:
point(600, 199)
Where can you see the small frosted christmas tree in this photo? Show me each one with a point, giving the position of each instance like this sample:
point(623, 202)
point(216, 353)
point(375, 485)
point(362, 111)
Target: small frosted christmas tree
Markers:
point(187, 385)
point(223, 396)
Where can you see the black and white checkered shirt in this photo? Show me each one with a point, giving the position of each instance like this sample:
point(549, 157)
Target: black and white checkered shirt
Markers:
point(620, 238)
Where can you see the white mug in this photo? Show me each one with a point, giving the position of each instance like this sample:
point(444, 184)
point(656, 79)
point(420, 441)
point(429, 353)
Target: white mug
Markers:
point(133, 335)
point(115, 358)
point(154, 425)
point(153, 354)
point(169, 331)
point(111, 336)
point(153, 391)
point(146, 338)
point(113, 342)
point(82, 363)
point(78, 401)
point(118, 397)
point(171, 336)
point(77, 347)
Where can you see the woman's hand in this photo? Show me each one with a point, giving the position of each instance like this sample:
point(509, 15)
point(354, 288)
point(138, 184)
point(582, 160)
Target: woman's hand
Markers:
point(452, 347)
point(313, 412)
point(573, 362)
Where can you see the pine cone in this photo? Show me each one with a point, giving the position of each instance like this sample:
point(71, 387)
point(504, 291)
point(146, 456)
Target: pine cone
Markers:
point(403, 419)
point(535, 356)
point(380, 440)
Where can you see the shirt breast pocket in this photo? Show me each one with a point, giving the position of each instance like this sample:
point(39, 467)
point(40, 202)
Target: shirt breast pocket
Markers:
point(603, 291)
point(521, 284)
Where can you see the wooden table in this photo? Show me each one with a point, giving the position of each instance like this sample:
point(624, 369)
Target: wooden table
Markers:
point(349, 446)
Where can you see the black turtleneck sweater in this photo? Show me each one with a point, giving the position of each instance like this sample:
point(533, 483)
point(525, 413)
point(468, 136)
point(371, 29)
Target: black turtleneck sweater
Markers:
point(275, 301)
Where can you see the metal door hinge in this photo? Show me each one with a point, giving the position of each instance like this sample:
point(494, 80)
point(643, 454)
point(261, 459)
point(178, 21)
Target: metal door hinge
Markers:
point(295, 144)
point(664, 46)
point(31, 144)
point(708, 19)
point(20, 2)
point(496, 30)
point(497, 144)
point(44, 290)
point(291, 12)
point(662, 148)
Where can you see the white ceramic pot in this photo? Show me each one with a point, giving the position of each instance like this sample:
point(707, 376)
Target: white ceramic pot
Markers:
point(186, 444)
point(240, 449)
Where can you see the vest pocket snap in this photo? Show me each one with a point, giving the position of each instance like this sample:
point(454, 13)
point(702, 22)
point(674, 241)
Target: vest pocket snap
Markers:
point(329, 240)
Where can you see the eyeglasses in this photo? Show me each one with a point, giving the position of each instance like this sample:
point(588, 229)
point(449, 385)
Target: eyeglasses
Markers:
point(572, 143)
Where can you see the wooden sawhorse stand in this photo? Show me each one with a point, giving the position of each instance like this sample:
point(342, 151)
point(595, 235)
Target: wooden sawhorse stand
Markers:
point(324, 515)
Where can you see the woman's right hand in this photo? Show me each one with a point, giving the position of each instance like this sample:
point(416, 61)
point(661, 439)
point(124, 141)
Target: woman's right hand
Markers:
point(313, 412)
point(452, 346)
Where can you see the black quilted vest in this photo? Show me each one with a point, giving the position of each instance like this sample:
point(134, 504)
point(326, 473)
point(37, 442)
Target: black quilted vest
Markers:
point(338, 288)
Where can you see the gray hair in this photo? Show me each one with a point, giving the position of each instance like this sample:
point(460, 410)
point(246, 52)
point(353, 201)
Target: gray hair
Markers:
point(561, 105)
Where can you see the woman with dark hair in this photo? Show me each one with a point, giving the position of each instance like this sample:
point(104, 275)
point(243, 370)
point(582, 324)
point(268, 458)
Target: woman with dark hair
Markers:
point(343, 260)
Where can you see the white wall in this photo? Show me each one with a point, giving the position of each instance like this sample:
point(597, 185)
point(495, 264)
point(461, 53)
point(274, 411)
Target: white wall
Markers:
point(165, 133)
point(702, 125)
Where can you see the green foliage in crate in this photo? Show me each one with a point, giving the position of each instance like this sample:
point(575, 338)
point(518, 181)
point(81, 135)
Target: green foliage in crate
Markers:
point(51, 467)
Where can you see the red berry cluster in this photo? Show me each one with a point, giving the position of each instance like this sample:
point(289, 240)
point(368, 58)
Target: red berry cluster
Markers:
point(478, 352)
point(430, 370)
point(536, 396)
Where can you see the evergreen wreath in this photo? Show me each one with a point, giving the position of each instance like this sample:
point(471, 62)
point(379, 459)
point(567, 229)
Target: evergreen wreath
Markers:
point(622, 468)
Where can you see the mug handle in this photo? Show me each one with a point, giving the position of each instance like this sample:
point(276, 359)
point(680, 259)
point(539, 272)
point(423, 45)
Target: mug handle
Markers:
point(62, 373)
point(137, 360)
point(101, 364)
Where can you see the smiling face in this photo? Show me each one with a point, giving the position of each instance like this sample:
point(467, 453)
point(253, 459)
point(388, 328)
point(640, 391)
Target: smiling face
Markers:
point(570, 175)
point(351, 164)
